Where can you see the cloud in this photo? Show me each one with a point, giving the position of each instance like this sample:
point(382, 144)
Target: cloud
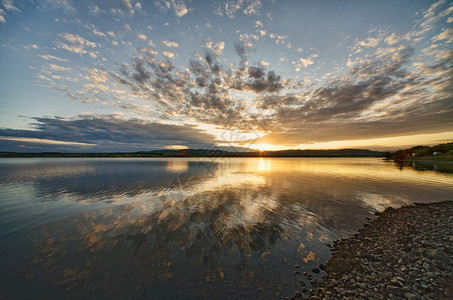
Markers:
point(59, 68)
point(142, 36)
point(2, 16)
point(429, 18)
point(258, 24)
point(229, 8)
point(95, 31)
point(377, 98)
point(393, 39)
point(304, 62)
point(253, 8)
point(127, 6)
point(178, 7)
point(369, 42)
point(389, 82)
point(171, 44)
point(94, 9)
point(217, 48)
point(77, 44)
point(9, 5)
point(168, 54)
point(447, 35)
point(32, 46)
point(148, 51)
point(51, 57)
point(63, 4)
point(101, 133)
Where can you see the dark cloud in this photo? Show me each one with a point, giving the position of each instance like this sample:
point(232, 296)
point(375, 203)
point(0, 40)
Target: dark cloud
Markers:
point(106, 133)
point(142, 75)
point(379, 96)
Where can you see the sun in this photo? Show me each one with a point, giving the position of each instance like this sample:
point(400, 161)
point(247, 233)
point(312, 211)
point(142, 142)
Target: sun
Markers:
point(265, 147)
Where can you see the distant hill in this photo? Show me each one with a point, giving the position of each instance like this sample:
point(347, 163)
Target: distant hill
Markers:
point(323, 153)
point(438, 152)
point(210, 153)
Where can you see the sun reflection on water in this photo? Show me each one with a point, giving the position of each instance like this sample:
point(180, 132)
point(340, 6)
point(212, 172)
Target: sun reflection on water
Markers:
point(198, 226)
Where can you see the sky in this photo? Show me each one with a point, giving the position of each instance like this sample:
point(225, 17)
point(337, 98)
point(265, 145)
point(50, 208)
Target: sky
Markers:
point(136, 75)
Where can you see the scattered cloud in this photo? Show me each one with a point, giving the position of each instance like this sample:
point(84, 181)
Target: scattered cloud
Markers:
point(51, 57)
point(168, 54)
point(2, 16)
point(258, 24)
point(393, 39)
point(9, 5)
point(229, 8)
point(385, 77)
point(253, 8)
point(59, 68)
point(63, 4)
point(142, 36)
point(217, 48)
point(171, 44)
point(178, 7)
point(304, 62)
point(446, 35)
point(77, 44)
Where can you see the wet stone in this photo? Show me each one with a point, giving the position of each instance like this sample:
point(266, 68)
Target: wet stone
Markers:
point(403, 253)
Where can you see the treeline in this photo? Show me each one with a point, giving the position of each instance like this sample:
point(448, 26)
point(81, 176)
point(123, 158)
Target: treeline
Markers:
point(208, 153)
point(441, 152)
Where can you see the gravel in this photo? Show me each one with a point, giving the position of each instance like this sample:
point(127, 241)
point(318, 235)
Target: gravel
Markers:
point(404, 253)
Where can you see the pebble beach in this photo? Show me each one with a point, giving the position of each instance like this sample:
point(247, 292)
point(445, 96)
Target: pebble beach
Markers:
point(403, 253)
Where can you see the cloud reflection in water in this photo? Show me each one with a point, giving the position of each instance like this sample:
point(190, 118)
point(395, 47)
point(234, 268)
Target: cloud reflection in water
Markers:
point(200, 227)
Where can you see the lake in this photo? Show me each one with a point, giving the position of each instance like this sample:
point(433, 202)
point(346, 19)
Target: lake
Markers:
point(189, 228)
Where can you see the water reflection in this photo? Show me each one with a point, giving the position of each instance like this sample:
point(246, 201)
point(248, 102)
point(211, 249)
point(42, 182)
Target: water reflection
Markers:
point(437, 166)
point(177, 166)
point(190, 228)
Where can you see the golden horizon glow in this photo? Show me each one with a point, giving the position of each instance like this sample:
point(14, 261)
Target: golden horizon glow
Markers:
point(388, 143)
point(44, 141)
point(266, 147)
point(176, 147)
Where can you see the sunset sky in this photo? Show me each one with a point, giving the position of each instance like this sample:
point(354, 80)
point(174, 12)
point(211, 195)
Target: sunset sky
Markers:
point(136, 75)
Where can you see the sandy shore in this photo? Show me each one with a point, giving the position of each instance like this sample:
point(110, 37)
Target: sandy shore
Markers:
point(404, 253)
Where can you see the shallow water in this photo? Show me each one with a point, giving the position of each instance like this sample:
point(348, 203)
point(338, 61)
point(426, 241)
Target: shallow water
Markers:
point(178, 228)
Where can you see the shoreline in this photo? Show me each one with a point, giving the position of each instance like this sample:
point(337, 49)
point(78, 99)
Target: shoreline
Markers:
point(404, 253)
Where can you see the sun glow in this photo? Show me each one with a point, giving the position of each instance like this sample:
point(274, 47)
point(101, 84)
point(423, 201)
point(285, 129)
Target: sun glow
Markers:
point(267, 147)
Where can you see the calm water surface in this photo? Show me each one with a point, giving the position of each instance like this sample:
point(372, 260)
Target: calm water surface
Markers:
point(181, 228)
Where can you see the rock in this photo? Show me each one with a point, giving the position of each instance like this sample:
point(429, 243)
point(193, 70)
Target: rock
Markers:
point(437, 254)
point(402, 254)
point(296, 266)
point(411, 296)
point(394, 290)
point(363, 286)
point(396, 282)
point(296, 272)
